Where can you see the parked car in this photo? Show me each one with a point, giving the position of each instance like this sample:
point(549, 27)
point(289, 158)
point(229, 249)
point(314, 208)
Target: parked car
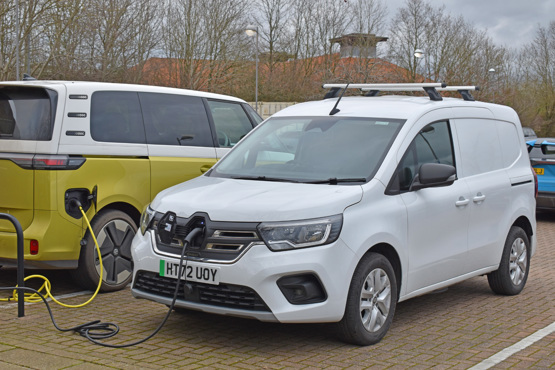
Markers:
point(542, 157)
point(333, 211)
point(529, 133)
point(111, 146)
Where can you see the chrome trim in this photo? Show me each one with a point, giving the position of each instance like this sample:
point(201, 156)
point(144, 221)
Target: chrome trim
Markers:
point(218, 234)
point(197, 259)
point(214, 247)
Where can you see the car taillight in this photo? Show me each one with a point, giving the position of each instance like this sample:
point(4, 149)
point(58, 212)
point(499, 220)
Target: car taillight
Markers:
point(34, 247)
point(44, 161)
point(535, 182)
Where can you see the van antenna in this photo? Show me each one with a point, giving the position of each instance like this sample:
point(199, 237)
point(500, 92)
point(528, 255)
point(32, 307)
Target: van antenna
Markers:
point(335, 110)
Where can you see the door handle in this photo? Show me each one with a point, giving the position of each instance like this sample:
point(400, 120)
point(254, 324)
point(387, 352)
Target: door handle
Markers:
point(205, 168)
point(462, 202)
point(479, 198)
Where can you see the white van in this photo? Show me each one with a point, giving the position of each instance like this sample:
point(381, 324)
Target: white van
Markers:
point(335, 210)
point(111, 146)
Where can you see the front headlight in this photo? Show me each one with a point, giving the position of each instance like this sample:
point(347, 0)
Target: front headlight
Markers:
point(280, 236)
point(146, 218)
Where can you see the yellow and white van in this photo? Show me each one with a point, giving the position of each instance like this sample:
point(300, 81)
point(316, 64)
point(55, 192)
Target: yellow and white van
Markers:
point(112, 146)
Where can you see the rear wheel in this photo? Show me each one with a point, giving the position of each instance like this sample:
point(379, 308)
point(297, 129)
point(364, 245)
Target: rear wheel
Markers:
point(114, 232)
point(371, 301)
point(511, 276)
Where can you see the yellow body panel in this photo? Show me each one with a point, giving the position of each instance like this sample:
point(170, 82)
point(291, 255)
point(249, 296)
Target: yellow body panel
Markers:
point(16, 194)
point(174, 170)
point(37, 199)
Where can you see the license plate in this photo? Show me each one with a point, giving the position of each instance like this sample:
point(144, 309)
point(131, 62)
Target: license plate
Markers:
point(539, 171)
point(191, 272)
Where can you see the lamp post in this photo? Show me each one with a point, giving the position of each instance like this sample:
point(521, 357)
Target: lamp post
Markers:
point(492, 71)
point(17, 40)
point(421, 54)
point(251, 31)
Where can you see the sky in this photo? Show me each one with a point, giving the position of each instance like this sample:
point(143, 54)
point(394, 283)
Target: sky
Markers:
point(510, 23)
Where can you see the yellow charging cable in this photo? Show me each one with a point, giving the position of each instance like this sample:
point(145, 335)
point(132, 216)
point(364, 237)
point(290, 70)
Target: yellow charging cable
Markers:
point(34, 297)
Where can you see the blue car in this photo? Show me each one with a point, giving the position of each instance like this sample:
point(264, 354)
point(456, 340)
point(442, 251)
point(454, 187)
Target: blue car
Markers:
point(542, 157)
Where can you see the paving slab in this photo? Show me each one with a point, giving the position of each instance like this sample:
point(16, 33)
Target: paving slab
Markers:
point(454, 329)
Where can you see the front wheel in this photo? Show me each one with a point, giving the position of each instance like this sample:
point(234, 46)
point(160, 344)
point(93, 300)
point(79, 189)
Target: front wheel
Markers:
point(114, 231)
point(511, 276)
point(371, 301)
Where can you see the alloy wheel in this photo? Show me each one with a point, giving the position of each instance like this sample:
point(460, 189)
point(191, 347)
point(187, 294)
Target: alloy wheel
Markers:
point(375, 300)
point(114, 240)
point(518, 261)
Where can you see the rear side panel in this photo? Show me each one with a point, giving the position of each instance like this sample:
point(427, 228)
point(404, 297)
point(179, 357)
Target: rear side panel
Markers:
point(16, 192)
point(27, 129)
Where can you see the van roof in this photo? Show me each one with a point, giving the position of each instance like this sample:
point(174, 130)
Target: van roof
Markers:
point(120, 86)
point(386, 106)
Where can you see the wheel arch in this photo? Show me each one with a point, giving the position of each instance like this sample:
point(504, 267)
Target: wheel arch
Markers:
point(525, 225)
point(127, 208)
point(391, 254)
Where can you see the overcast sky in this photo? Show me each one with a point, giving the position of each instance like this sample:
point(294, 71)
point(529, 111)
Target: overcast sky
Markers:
point(508, 22)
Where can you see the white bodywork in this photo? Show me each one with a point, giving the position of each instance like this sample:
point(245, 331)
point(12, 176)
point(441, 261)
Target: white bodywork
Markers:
point(440, 235)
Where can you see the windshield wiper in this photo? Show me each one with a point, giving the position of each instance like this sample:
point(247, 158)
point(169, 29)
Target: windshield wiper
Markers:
point(262, 178)
point(335, 180)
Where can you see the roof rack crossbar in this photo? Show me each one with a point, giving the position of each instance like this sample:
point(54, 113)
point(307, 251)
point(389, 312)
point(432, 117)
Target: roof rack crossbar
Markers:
point(432, 89)
point(463, 90)
point(400, 86)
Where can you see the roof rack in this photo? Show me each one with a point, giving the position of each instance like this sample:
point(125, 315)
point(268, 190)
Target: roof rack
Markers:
point(430, 88)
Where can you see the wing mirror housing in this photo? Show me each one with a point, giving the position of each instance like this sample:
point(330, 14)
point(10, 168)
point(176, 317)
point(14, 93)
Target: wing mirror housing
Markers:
point(434, 175)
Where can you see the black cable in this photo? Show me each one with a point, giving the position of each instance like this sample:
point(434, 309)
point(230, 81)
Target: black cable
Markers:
point(96, 329)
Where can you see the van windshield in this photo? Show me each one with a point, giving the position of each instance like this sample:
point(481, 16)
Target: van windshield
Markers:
point(26, 113)
point(311, 150)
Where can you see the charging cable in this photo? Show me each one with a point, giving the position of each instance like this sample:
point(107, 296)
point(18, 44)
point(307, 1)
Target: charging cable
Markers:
point(96, 330)
point(35, 296)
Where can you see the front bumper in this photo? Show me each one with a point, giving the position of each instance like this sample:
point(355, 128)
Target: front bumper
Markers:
point(255, 275)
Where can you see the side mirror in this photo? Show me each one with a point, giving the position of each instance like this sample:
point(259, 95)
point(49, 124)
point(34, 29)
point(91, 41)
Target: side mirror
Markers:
point(434, 175)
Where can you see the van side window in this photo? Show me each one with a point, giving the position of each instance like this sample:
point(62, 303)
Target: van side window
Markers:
point(433, 144)
point(231, 122)
point(481, 151)
point(175, 120)
point(116, 117)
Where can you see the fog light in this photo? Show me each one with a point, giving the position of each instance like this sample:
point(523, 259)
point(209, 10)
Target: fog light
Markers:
point(302, 289)
point(34, 248)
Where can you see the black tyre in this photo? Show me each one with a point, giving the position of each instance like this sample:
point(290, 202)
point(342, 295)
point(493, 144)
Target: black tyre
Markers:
point(114, 232)
point(371, 301)
point(512, 274)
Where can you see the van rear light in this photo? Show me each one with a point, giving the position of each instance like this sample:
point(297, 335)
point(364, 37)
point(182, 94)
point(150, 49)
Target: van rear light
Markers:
point(44, 161)
point(535, 182)
point(34, 248)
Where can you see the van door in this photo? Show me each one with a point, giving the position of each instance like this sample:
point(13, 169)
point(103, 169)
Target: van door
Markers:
point(482, 166)
point(27, 116)
point(437, 216)
point(179, 139)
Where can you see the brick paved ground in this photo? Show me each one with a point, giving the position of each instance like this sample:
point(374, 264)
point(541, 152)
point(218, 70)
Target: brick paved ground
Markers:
point(454, 329)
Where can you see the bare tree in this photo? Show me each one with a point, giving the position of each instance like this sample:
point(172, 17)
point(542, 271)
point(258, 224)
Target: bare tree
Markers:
point(204, 41)
point(538, 67)
point(454, 50)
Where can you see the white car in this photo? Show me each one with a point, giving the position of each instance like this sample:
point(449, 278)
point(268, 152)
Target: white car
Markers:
point(335, 210)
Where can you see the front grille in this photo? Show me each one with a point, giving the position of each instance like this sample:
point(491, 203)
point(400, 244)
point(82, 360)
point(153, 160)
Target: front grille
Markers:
point(222, 295)
point(223, 242)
